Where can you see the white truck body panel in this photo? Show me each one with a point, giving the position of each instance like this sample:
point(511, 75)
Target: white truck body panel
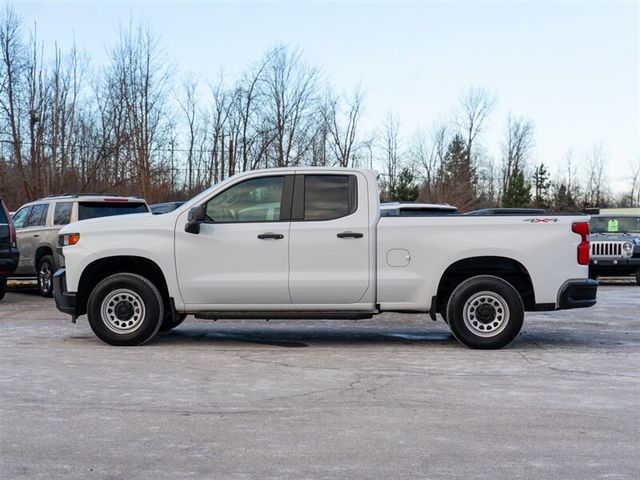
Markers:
point(396, 265)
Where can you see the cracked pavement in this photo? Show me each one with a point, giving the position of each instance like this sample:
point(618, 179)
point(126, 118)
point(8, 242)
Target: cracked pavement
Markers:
point(391, 397)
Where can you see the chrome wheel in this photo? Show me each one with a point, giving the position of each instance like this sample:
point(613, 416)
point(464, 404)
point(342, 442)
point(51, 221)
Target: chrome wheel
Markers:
point(486, 314)
point(45, 275)
point(122, 311)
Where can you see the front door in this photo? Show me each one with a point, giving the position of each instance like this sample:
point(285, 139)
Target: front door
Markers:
point(241, 254)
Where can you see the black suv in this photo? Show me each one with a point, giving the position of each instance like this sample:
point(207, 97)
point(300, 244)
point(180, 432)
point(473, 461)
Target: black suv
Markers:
point(8, 247)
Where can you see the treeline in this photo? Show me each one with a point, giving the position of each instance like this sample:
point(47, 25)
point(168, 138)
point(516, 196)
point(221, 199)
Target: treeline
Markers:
point(134, 126)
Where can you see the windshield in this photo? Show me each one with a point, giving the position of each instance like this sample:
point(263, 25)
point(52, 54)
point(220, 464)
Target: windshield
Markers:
point(615, 225)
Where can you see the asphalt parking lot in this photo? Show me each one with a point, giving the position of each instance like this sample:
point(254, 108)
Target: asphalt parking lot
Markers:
point(393, 397)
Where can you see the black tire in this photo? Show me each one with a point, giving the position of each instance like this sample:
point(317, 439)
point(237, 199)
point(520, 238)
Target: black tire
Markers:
point(45, 271)
point(485, 312)
point(3, 286)
point(168, 323)
point(125, 309)
point(637, 278)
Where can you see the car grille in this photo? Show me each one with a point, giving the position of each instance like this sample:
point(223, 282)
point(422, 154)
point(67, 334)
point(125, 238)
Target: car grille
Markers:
point(606, 249)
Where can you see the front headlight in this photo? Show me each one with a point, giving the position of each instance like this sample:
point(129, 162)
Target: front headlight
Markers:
point(627, 247)
point(68, 239)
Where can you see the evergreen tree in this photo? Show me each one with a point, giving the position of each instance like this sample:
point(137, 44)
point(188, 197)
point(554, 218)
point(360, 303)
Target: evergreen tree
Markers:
point(406, 188)
point(541, 184)
point(458, 178)
point(518, 193)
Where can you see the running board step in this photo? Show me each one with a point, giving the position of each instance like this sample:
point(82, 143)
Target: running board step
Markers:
point(285, 315)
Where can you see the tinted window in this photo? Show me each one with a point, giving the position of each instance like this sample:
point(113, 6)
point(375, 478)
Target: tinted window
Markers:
point(108, 209)
point(3, 217)
point(255, 200)
point(20, 217)
point(38, 215)
point(327, 197)
point(62, 213)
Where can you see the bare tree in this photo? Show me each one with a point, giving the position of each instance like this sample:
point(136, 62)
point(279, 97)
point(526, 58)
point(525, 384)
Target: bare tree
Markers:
point(516, 149)
point(596, 182)
point(390, 143)
point(476, 104)
point(290, 92)
point(343, 126)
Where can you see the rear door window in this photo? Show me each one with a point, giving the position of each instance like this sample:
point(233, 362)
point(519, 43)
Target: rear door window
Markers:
point(3, 217)
point(327, 197)
point(88, 210)
point(62, 213)
point(38, 216)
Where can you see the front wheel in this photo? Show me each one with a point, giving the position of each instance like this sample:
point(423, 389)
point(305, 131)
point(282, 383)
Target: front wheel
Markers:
point(125, 309)
point(638, 277)
point(45, 276)
point(485, 312)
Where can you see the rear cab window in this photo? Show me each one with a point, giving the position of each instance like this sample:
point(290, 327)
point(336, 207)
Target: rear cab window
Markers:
point(87, 210)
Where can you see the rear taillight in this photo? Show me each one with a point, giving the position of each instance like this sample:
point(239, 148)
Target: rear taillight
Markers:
point(582, 229)
point(12, 228)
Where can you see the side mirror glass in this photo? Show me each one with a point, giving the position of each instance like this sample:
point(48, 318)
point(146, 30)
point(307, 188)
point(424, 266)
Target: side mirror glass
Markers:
point(197, 215)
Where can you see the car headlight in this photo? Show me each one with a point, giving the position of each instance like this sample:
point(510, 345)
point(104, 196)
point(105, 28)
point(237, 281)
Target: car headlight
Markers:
point(68, 239)
point(627, 246)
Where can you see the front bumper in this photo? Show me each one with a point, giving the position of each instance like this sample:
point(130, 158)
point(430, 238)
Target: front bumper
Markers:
point(65, 301)
point(578, 294)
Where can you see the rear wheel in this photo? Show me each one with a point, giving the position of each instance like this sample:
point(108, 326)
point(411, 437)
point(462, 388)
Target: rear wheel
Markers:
point(45, 275)
point(125, 309)
point(485, 312)
point(3, 287)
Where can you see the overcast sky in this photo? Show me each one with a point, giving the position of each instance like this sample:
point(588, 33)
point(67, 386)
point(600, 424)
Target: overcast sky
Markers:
point(572, 67)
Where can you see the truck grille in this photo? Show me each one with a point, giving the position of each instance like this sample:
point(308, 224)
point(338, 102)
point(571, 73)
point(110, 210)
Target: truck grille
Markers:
point(606, 249)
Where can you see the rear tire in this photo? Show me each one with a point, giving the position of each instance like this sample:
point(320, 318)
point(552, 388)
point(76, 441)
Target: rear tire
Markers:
point(46, 268)
point(3, 286)
point(485, 312)
point(125, 309)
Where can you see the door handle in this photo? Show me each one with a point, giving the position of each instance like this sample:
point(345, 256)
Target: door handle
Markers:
point(36, 235)
point(275, 236)
point(350, 235)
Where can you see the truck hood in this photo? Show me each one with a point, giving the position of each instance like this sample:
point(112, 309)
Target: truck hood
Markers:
point(122, 223)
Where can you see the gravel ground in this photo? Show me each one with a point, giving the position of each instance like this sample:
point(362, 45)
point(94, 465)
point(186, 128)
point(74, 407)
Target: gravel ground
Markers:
point(393, 397)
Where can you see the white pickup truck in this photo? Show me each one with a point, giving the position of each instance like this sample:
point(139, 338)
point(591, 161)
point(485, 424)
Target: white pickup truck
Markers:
point(310, 243)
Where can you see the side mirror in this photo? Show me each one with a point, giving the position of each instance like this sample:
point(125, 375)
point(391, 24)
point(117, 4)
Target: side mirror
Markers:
point(197, 215)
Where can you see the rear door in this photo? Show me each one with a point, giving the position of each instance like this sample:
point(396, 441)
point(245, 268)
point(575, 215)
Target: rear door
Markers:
point(329, 239)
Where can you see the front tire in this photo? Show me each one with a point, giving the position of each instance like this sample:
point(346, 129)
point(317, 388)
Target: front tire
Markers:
point(638, 277)
point(46, 267)
point(485, 312)
point(125, 309)
point(3, 286)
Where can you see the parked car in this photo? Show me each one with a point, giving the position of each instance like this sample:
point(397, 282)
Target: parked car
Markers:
point(615, 246)
point(8, 247)
point(159, 208)
point(409, 209)
point(38, 223)
point(326, 253)
point(507, 211)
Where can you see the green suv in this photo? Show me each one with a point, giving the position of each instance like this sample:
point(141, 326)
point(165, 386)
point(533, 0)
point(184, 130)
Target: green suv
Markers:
point(38, 223)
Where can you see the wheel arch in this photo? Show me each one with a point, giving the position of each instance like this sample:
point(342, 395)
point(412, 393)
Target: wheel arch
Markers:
point(107, 266)
point(42, 251)
point(508, 269)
